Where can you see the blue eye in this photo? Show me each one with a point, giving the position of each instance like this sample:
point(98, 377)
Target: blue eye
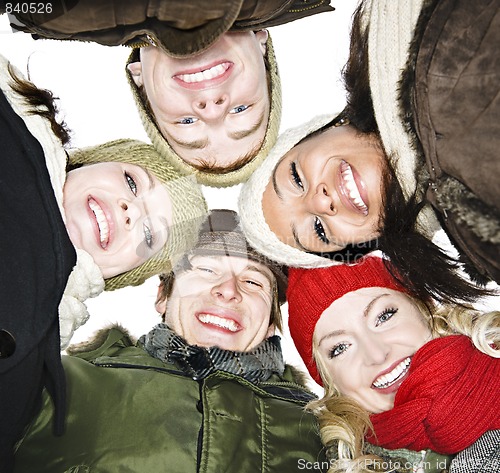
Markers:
point(131, 183)
point(148, 235)
point(295, 176)
point(320, 231)
point(187, 121)
point(385, 316)
point(239, 109)
point(337, 350)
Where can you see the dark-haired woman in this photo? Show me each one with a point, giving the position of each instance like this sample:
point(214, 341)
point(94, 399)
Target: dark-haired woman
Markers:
point(422, 87)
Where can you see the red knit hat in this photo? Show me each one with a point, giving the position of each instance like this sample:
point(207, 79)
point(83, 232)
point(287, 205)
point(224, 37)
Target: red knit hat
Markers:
point(311, 291)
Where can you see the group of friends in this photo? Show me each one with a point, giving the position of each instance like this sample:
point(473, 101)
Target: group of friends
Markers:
point(336, 218)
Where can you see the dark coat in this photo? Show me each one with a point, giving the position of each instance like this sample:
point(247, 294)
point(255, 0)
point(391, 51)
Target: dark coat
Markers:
point(181, 28)
point(36, 258)
point(455, 104)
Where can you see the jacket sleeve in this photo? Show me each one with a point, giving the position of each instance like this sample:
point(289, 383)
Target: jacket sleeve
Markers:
point(179, 27)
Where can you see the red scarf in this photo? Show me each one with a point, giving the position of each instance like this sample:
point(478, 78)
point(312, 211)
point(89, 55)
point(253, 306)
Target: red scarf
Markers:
point(450, 398)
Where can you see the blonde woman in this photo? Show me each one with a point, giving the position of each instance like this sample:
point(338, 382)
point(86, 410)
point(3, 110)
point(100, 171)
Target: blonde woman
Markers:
point(399, 373)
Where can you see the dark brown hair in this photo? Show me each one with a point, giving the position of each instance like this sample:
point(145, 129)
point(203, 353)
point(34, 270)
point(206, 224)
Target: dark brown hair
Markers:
point(420, 265)
point(43, 103)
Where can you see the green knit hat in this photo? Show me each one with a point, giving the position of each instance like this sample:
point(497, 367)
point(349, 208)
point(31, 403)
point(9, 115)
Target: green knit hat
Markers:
point(216, 180)
point(189, 208)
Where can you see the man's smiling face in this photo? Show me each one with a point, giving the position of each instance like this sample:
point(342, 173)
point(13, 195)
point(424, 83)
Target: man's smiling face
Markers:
point(222, 301)
point(212, 108)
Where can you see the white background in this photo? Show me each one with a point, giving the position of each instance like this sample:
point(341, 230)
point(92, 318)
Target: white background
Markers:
point(97, 105)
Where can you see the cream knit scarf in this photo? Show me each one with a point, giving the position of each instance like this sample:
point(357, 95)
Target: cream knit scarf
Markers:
point(391, 26)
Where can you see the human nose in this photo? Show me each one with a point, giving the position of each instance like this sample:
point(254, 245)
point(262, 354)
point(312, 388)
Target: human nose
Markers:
point(227, 290)
point(321, 200)
point(131, 212)
point(376, 351)
point(213, 106)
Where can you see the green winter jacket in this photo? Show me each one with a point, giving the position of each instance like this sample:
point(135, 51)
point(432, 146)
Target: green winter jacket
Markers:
point(130, 412)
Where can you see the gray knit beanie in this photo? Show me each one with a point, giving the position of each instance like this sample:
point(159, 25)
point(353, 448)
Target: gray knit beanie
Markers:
point(252, 219)
point(189, 208)
point(212, 179)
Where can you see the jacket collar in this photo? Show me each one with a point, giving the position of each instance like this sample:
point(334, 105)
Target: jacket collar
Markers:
point(256, 366)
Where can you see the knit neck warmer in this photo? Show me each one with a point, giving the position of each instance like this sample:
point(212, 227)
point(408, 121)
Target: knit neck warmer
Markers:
point(448, 401)
point(256, 365)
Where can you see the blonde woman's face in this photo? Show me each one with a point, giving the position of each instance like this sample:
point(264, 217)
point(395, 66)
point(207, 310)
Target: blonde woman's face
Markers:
point(118, 213)
point(366, 340)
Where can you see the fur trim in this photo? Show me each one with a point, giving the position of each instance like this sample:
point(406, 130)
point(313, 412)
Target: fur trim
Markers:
point(468, 210)
point(299, 376)
point(99, 339)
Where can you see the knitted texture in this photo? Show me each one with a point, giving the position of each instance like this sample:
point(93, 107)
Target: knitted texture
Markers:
point(188, 205)
point(256, 365)
point(216, 179)
point(448, 401)
point(312, 291)
point(84, 282)
point(253, 222)
point(390, 30)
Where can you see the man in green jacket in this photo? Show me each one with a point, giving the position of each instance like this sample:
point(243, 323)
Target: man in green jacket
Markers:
point(206, 391)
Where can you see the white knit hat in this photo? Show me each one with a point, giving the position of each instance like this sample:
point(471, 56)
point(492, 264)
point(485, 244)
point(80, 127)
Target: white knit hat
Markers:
point(252, 219)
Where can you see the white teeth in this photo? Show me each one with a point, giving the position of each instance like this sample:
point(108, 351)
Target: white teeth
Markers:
point(102, 222)
point(219, 321)
point(204, 75)
point(387, 379)
point(352, 189)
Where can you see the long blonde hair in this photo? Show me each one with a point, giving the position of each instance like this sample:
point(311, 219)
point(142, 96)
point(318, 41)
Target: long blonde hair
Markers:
point(344, 423)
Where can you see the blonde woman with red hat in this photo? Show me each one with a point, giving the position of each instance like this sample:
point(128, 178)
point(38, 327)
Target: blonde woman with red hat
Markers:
point(398, 372)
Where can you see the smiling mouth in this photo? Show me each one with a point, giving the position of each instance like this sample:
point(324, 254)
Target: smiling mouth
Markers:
point(393, 376)
point(102, 222)
point(221, 322)
point(351, 188)
point(208, 74)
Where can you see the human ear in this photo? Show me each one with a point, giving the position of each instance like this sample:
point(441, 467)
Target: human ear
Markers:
point(135, 69)
point(161, 301)
point(262, 36)
point(270, 331)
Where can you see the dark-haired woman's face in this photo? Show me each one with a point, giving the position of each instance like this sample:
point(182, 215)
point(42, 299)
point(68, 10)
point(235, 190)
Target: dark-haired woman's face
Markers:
point(326, 192)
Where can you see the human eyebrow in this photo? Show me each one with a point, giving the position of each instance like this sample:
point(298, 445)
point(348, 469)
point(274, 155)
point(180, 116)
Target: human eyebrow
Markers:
point(329, 335)
point(367, 309)
point(197, 144)
point(275, 183)
point(150, 179)
point(239, 135)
